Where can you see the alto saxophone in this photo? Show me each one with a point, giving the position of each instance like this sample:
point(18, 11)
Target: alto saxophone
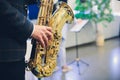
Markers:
point(43, 60)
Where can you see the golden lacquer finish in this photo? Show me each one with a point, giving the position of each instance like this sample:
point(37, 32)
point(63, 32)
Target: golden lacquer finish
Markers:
point(44, 61)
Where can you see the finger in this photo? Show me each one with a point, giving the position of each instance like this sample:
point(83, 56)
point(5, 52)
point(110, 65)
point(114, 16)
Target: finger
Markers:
point(45, 38)
point(49, 29)
point(49, 35)
point(41, 41)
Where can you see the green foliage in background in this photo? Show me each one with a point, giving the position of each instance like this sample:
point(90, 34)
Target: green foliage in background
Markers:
point(95, 10)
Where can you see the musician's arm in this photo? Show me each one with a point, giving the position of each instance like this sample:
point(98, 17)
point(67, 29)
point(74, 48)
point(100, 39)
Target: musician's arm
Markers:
point(14, 21)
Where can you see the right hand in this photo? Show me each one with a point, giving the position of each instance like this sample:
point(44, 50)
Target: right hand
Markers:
point(42, 34)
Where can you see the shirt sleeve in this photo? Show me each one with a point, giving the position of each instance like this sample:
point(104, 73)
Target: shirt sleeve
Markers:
point(15, 19)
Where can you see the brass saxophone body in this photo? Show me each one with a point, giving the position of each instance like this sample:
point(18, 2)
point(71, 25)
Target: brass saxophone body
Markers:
point(43, 61)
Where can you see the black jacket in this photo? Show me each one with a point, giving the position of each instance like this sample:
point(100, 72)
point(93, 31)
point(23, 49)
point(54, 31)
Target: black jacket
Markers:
point(15, 29)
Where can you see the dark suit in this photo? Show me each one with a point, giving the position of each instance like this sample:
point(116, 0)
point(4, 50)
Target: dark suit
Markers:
point(15, 29)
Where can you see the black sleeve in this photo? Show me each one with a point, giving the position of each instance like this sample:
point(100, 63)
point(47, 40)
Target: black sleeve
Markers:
point(29, 2)
point(15, 19)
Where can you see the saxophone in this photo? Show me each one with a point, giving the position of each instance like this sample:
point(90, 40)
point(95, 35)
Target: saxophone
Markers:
point(43, 60)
